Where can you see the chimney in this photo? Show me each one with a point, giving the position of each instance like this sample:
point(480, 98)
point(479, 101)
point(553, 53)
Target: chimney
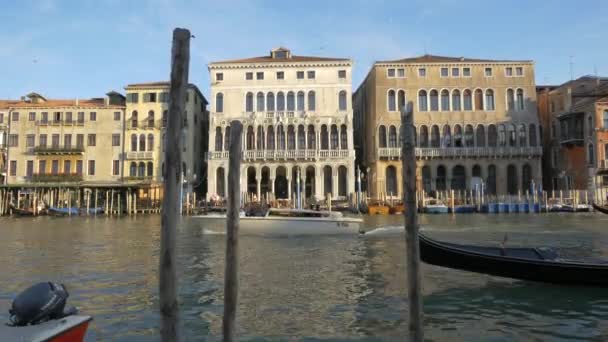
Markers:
point(76, 102)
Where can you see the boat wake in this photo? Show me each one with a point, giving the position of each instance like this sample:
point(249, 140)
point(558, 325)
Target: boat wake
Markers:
point(385, 231)
point(212, 232)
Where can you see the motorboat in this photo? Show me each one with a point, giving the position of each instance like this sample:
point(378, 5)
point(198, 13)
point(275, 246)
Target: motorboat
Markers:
point(68, 329)
point(378, 208)
point(434, 206)
point(601, 208)
point(537, 264)
point(294, 222)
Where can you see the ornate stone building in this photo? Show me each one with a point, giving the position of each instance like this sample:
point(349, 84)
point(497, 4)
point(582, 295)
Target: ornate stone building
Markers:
point(297, 118)
point(476, 122)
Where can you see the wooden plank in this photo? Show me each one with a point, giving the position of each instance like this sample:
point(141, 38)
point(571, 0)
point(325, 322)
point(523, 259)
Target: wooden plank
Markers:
point(180, 59)
point(411, 224)
point(231, 266)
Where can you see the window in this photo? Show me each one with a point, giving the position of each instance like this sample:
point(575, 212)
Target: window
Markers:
point(57, 117)
point(29, 169)
point(310, 75)
point(341, 73)
point(115, 167)
point(249, 102)
point(80, 117)
point(1, 117)
point(42, 141)
point(605, 119)
point(260, 102)
point(132, 97)
point(478, 99)
point(434, 99)
point(259, 75)
point(400, 99)
point(391, 72)
point(116, 116)
point(421, 72)
point(15, 116)
point(67, 166)
point(54, 167)
point(510, 99)
point(164, 97)
point(455, 72)
point(249, 75)
point(508, 71)
point(280, 75)
point(68, 117)
point(55, 140)
point(467, 100)
point(391, 101)
point(149, 97)
point(219, 76)
point(79, 167)
point(13, 140)
point(91, 140)
point(519, 71)
point(520, 99)
point(79, 140)
point(591, 155)
point(444, 72)
point(488, 72)
point(401, 72)
point(219, 102)
point(91, 168)
point(300, 75)
point(456, 100)
point(92, 116)
point(13, 167)
point(422, 101)
point(115, 139)
point(42, 167)
point(291, 101)
point(300, 101)
point(311, 101)
point(445, 100)
point(466, 72)
point(489, 99)
point(67, 141)
point(32, 116)
point(270, 102)
point(151, 142)
point(280, 101)
point(30, 140)
point(44, 117)
point(342, 103)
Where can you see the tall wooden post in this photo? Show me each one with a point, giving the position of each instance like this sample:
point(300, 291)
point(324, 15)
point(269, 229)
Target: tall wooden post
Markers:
point(180, 60)
point(231, 266)
point(411, 223)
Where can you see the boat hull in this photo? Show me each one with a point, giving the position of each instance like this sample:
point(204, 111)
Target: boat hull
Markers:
point(378, 210)
point(435, 209)
point(292, 225)
point(601, 208)
point(67, 329)
point(517, 263)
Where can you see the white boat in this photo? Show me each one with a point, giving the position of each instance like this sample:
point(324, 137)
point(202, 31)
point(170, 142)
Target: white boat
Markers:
point(434, 206)
point(295, 222)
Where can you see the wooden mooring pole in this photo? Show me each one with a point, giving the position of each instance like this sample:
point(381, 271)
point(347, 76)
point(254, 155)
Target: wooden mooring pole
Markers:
point(231, 266)
point(411, 224)
point(180, 59)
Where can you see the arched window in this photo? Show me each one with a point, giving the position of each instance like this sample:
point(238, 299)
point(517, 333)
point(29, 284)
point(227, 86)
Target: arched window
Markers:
point(382, 136)
point(343, 138)
point(590, 127)
point(133, 169)
point(280, 137)
point(445, 100)
point(459, 178)
point(447, 136)
point(142, 142)
point(435, 138)
point(260, 102)
point(334, 137)
point(510, 99)
point(434, 97)
point(467, 101)
point(469, 139)
point(526, 178)
point(520, 99)
point(392, 136)
point(441, 180)
point(456, 100)
point(424, 136)
point(391, 181)
point(532, 134)
point(342, 181)
point(311, 101)
point(324, 138)
point(301, 138)
point(218, 139)
point(270, 138)
point(458, 142)
point(270, 102)
point(291, 101)
point(512, 180)
point(134, 119)
point(312, 137)
point(481, 136)
point(426, 179)
point(502, 135)
point(291, 137)
point(150, 142)
point(227, 138)
point(220, 181)
point(512, 137)
point(342, 103)
point(476, 171)
point(391, 101)
point(250, 142)
point(249, 102)
point(327, 180)
point(300, 102)
point(151, 119)
point(134, 142)
point(219, 103)
point(260, 138)
point(478, 99)
point(491, 183)
point(280, 102)
point(165, 116)
point(141, 169)
point(489, 99)
point(522, 136)
point(422, 101)
point(590, 154)
point(493, 136)
point(400, 99)
point(150, 169)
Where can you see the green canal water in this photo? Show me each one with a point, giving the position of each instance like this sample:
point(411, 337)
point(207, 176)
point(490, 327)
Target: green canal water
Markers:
point(307, 288)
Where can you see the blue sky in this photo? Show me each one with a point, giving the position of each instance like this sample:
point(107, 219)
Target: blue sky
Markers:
point(70, 48)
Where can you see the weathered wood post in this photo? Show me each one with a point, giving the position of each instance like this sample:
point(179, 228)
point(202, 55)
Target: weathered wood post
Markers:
point(231, 266)
point(408, 161)
point(180, 60)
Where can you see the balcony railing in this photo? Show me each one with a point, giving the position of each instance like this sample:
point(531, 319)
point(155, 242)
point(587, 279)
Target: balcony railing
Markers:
point(56, 178)
point(140, 155)
point(138, 178)
point(263, 155)
point(464, 152)
point(58, 150)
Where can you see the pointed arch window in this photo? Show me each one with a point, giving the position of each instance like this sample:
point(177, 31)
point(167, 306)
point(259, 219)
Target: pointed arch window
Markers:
point(434, 97)
point(445, 100)
point(456, 100)
point(249, 102)
point(422, 101)
point(219, 103)
point(391, 100)
point(260, 102)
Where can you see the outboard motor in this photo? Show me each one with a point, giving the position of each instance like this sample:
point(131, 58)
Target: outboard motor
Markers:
point(40, 303)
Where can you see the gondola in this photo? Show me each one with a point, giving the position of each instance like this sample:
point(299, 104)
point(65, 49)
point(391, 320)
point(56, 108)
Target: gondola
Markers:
point(536, 264)
point(601, 208)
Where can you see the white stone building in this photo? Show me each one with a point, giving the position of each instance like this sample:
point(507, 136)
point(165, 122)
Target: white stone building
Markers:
point(297, 118)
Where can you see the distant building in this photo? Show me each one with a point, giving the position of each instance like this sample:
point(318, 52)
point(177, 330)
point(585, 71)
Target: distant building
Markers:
point(476, 123)
point(575, 115)
point(297, 116)
point(147, 107)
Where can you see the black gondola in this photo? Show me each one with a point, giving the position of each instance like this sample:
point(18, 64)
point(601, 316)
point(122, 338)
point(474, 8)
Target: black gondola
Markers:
point(536, 264)
point(601, 208)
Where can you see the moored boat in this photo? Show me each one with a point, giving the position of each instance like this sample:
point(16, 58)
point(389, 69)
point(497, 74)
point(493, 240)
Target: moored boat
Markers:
point(434, 206)
point(536, 264)
point(463, 209)
point(378, 208)
point(601, 208)
point(67, 329)
point(397, 208)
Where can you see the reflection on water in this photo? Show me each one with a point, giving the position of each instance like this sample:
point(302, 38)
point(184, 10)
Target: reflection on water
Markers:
point(316, 287)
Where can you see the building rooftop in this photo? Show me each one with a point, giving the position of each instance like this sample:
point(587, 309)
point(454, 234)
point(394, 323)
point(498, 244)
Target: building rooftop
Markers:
point(35, 100)
point(282, 54)
point(445, 59)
